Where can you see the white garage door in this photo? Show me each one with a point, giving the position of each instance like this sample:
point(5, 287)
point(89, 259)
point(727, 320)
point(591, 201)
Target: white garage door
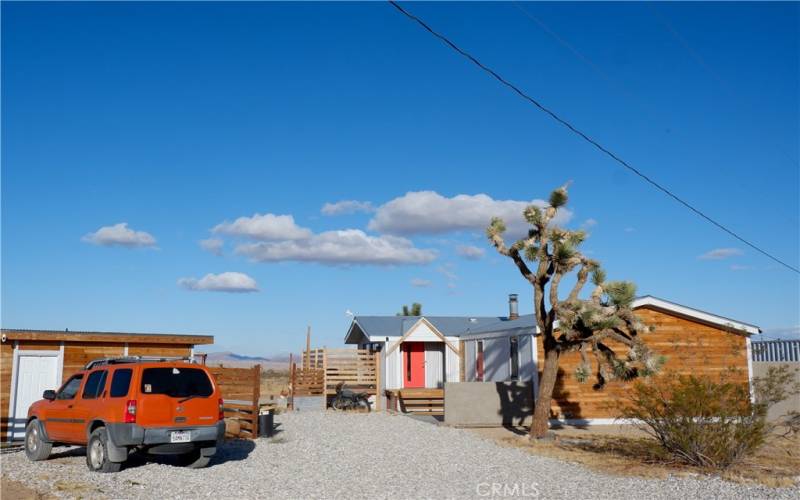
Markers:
point(35, 374)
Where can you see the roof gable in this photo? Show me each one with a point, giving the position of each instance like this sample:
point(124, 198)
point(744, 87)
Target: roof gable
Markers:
point(379, 327)
point(422, 330)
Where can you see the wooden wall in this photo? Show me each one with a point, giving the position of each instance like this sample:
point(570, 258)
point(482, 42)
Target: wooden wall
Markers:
point(689, 346)
point(6, 361)
point(77, 354)
point(166, 350)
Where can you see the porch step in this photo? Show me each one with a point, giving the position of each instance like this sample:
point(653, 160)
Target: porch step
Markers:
point(420, 401)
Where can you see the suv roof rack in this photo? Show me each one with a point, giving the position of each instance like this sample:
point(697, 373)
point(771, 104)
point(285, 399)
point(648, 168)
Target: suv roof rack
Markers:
point(133, 359)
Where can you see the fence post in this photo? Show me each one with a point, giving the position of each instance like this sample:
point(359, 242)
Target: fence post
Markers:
point(294, 383)
point(290, 402)
point(324, 378)
point(256, 397)
point(377, 381)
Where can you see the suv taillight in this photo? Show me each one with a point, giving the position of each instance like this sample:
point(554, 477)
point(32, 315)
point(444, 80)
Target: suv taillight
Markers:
point(130, 411)
point(221, 410)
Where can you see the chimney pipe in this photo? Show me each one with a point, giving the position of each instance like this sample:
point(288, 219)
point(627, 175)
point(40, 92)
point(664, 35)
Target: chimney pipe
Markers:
point(513, 310)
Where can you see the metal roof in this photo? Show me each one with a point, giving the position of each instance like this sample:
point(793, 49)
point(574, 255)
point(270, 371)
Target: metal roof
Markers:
point(456, 326)
point(396, 326)
point(30, 334)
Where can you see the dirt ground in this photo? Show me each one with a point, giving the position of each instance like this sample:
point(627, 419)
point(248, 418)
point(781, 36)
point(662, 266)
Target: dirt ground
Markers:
point(274, 383)
point(624, 450)
point(18, 491)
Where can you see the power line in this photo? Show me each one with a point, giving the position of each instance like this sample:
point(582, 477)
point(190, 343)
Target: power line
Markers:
point(585, 137)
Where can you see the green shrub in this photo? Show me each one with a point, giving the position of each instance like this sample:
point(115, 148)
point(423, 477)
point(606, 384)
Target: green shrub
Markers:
point(705, 422)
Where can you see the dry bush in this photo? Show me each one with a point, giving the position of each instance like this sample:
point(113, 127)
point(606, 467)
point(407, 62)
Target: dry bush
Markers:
point(707, 422)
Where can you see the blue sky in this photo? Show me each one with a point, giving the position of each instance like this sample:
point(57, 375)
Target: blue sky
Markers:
point(183, 121)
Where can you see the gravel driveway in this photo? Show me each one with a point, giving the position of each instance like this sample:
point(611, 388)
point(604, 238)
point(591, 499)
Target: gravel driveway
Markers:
point(332, 455)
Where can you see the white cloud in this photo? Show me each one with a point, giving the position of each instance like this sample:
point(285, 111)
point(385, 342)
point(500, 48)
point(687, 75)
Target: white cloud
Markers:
point(420, 283)
point(120, 235)
point(347, 207)
point(448, 271)
point(470, 252)
point(784, 332)
point(589, 223)
point(224, 282)
point(212, 245)
point(720, 253)
point(737, 267)
point(428, 212)
point(267, 227)
point(348, 246)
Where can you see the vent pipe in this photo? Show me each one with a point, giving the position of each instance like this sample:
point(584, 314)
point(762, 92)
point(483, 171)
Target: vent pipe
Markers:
point(513, 309)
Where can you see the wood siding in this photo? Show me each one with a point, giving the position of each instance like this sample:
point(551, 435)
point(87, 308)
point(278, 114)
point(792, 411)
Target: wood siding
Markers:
point(689, 346)
point(6, 362)
point(77, 354)
point(40, 346)
point(173, 350)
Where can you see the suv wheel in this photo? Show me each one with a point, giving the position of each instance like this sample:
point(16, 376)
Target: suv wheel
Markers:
point(35, 447)
point(193, 460)
point(97, 453)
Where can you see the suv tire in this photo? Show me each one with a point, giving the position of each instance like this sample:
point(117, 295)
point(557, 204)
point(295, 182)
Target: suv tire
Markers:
point(35, 447)
point(193, 460)
point(97, 453)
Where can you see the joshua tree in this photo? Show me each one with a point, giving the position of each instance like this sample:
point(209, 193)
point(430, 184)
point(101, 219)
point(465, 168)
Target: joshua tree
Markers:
point(544, 258)
point(416, 310)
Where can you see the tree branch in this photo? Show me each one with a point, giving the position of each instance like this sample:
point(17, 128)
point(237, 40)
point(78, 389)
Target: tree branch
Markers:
point(583, 275)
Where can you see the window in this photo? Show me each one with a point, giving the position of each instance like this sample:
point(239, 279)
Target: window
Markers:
point(95, 384)
point(70, 389)
point(176, 382)
point(514, 344)
point(479, 361)
point(121, 382)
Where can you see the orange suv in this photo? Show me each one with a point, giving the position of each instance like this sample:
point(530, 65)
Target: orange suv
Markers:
point(160, 406)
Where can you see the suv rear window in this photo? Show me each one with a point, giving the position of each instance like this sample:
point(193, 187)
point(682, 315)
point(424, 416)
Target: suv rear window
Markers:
point(121, 382)
point(176, 382)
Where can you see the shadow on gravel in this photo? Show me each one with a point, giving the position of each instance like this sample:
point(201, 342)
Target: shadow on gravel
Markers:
point(233, 451)
point(79, 451)
point(230, 451)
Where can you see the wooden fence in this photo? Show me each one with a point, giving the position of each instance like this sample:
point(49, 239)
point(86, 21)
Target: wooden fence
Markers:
point(321, 370)
point(241, 390)
point(776, 351)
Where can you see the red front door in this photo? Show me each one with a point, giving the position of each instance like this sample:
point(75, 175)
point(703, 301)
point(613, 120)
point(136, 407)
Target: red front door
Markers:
point(413, 364)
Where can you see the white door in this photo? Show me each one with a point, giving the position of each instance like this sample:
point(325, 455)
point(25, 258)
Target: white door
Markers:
point(35, 374)
point(434, 365)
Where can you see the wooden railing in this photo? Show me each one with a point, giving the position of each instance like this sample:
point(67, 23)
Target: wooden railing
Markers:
point(241, 390)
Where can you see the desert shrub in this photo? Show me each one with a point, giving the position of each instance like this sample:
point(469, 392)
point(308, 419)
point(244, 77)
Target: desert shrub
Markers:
point(707, 422)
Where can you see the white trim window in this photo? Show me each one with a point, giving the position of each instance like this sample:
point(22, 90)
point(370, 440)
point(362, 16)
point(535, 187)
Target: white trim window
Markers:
point(513, 355)
point(479, 361)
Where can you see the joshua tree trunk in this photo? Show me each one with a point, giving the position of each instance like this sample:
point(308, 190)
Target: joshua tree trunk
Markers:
point(541, 411)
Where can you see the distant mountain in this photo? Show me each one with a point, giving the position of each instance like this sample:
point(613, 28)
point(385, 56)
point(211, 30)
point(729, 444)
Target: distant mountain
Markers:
point(232, 356)
point(232, 359)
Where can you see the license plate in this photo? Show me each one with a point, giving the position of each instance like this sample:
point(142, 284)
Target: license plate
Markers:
point(180, 437)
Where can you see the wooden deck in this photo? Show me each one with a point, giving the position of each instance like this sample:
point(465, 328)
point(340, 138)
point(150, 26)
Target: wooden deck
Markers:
point(416, 401)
